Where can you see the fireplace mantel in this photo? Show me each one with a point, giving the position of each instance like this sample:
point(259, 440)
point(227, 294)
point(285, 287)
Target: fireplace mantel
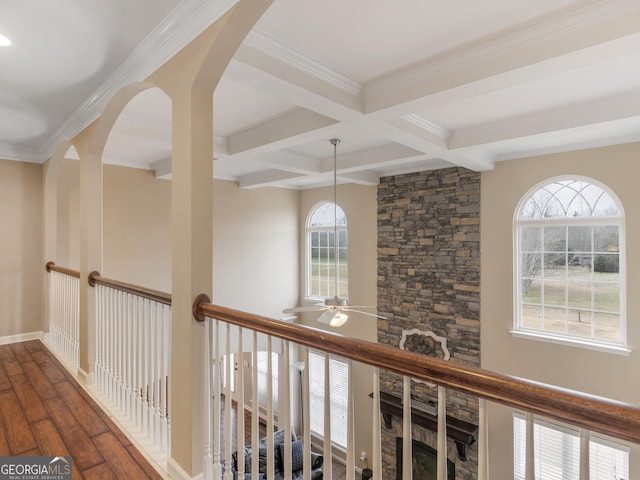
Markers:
point(460, 431)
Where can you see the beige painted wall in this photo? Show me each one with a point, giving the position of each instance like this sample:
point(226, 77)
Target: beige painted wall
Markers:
point(137, 227)
point(21, 248)
point(599, 373)
point(255, 244)
point(68, 244)
point(360, 206)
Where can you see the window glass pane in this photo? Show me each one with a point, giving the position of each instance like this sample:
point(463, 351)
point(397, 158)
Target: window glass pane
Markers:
point(579, 239)
point(607, 326)
point(606, 297)
point(606, 263)
point(532, 290)
point(338, 392)
point(579, 295)
point(606, 239)
point(555, 239)
point(531, 239)
point(579, 322)
point(532, 317)
point(554, 293)
point(554, 319)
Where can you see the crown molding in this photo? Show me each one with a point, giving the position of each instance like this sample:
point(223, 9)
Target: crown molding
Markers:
point(295, 59)
point(421, 122)
point(10, 151)
point(181, 25)
point(537, 33)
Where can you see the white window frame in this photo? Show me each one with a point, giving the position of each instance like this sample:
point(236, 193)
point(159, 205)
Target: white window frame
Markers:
point(341, 230)
point(601, 451)
point(339, 397)
point(592, 342)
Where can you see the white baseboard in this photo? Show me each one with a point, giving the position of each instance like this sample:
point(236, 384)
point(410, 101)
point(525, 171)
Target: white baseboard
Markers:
point(22, 337)
point(177, 473)
point(85, 378)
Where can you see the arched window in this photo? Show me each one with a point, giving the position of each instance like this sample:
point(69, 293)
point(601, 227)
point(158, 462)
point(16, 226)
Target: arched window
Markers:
point(325, 221)
point(569, 260)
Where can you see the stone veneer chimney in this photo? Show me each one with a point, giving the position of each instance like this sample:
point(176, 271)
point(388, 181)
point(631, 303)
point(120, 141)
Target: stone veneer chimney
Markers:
point(429, 279)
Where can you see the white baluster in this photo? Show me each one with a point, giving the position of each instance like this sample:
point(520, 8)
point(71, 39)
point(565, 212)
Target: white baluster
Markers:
point(376, 454)
point(483, 439)
point(327, 441)
point(240, 405)
point(442, 433)
point(227, 405)
point(207, 460)
point(529, 473)
point(216, 382)
point(407, 439)
point(306, 434)
point(351, 441)
point(284, 406)
point(270, 423)
point(255, 405)
point(584, 454)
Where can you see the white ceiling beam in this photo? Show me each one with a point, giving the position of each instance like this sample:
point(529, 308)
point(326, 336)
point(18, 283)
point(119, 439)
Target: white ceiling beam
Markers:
point(265, 178)
point(592, 33)
point(278, 133)
point(409, 134)
point(371, 158)
point(621, 106)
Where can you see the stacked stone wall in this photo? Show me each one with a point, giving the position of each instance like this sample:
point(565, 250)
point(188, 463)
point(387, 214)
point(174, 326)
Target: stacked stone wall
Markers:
point(429, 279)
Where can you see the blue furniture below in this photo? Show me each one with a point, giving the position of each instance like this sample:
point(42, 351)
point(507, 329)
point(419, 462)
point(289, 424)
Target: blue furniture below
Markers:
point(297, 459)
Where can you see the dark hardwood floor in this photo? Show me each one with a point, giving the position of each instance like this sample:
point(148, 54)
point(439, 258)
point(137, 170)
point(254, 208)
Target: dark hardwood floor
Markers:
point(44, 411)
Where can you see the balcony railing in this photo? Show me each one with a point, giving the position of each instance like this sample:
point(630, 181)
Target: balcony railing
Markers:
point(63, 336)
point(231, 332)
point(132, 347)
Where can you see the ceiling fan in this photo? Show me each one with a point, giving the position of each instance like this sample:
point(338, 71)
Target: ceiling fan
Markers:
point(334, 309)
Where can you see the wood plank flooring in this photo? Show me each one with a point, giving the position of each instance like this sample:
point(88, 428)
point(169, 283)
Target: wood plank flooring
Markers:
point(44, 411)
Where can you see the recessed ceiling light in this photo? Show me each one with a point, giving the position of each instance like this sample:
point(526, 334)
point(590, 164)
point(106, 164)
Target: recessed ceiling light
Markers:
point(4, 41)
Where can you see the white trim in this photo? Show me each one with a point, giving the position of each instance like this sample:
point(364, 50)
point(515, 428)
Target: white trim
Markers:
point(22, 337)
point(85, 378)
point(571, 342)
point(285, 54)
point(176, 471)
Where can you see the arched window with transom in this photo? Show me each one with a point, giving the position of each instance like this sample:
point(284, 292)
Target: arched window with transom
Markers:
point(570, 263)
point(326, 259)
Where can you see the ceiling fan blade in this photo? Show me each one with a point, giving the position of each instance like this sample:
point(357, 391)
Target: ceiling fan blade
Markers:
point(349, 309)
point(303, 309)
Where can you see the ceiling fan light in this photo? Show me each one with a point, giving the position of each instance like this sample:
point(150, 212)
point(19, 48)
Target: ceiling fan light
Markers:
point(327, 316)
point(339, 319)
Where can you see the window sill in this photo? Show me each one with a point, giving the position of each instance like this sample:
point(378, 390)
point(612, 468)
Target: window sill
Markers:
point(571, 342)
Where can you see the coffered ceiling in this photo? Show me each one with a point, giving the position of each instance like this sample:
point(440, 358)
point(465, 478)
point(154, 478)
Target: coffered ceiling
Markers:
point(408, 85)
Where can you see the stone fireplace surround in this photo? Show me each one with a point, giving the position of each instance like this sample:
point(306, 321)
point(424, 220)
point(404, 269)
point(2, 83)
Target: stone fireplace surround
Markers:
point(429, 280)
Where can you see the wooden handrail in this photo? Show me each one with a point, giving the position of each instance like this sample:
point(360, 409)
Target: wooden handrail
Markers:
point(154, 295)
point(50, 266)
point(598, 414)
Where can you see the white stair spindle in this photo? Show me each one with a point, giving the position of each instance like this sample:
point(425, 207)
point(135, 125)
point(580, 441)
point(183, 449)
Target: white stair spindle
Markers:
point(270, 420)
point(442, 433)
point(351, 443)
point(529, 473)
point(284, 406)
point(376, 456)
point(483, 446)
point(227, 403)
point(255, 424)
point(407, 437)
point(239, 359)
point(328, 441)
point(216, 381)
point(207, 460)
point(584, 454)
